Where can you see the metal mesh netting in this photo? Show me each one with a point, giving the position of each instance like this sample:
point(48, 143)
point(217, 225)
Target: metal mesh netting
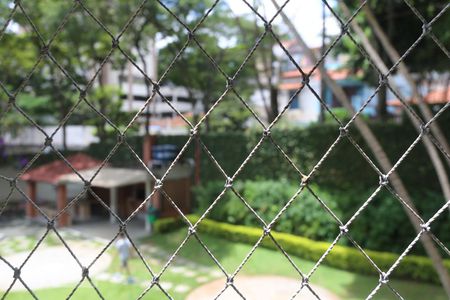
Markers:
point(385, 175)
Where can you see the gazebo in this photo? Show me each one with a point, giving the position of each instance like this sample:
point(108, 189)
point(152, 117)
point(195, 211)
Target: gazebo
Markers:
point(121, 189)
point(50, 173)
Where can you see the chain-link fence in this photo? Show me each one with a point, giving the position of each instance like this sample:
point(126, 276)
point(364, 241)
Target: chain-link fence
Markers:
point(388, 178)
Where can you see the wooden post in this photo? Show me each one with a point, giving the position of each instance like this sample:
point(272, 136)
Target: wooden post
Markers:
point(187, 187)
point(30, 209)
point(197, 162)
point(113, 200)
point(61, 203)
point(156, 200)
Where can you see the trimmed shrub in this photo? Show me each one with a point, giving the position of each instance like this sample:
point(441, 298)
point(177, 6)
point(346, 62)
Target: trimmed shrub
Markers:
point(342, 257)
point(167, 225)
point(305, 216)
point(305, 146)
point(383, 226)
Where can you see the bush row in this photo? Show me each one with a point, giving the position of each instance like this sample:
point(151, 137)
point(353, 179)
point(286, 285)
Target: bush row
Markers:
point(342, 257)
point(305, 146)
point(382, 226)
point(305, 216)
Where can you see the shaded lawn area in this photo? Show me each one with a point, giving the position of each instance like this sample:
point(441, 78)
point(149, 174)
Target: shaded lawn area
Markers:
point(263, 262)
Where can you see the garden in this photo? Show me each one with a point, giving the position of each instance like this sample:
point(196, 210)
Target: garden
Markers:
point(299, 144)
point(305, 230)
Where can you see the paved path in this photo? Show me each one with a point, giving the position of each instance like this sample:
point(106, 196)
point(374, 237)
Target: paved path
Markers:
point(53, 266)
point(258, 288)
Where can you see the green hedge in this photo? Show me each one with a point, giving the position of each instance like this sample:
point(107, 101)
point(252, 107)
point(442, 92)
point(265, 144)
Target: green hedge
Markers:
point(342, 169)
point(376, 228)
point(167, 225)
point(345, 258)
point(305, 216)
point(305, 146)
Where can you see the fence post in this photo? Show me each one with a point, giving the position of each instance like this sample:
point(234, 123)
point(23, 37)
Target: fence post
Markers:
point(61, 203)
point(31, 211)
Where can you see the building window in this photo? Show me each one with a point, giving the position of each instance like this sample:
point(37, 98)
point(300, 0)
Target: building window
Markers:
point(295, 102)
point(145, 98)
point(140, 98)
point(350, 90)
point(167, 115)
point(184, 99)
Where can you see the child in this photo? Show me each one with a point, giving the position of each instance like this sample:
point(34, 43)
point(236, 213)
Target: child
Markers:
point(123, 246)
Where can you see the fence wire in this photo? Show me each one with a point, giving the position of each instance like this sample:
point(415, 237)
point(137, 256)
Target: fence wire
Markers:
point(229, 88)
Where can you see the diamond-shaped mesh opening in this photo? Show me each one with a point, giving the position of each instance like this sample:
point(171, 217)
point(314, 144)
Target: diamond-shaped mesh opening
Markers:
point(58, 94)
point(83, 95)
point(17, 67)
point(348, 150)
point(199, 261)
point(365, 226)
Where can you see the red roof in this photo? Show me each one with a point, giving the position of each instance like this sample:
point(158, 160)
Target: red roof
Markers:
point(290, 86)
point(172, 122)
point(437, 96)
point(51, 172)
point(334, 74)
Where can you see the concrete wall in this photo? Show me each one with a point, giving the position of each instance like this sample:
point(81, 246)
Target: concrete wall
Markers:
point(78, 137)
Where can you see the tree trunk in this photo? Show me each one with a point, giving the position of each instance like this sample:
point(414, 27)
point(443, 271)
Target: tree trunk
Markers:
point(197, 162)
point(62, 108)
point(323, 89)
point(147, 83)
point(380, 156)
point(382, 113)
point(205, 111)
point(256, 64)
point(394, 56)
point(147, 87)
point(130, 80)
point(273, 103)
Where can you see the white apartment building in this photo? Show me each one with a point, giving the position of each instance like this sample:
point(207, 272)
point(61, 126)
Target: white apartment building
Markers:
point(163, 118)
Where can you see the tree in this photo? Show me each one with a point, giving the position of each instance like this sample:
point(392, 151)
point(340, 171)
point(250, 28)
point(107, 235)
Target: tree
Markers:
point(382, 159)
point(381, 67)
point(394, 56)
point(193, 69)
point(36, 107)
point(13, 65)
point(72, 53)
point(265, 62)
point(226, 117)
point(403, 28)
point(107, 99)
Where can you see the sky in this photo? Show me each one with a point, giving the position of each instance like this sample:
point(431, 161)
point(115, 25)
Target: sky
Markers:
point(306, 15)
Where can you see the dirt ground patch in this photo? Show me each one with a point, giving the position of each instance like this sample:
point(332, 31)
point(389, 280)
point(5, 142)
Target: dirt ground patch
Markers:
point(260, 288)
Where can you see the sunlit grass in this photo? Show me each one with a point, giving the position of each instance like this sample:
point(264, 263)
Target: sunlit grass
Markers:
point(345, 284)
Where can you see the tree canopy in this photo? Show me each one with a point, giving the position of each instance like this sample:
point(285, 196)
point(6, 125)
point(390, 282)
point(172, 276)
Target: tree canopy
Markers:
point(403, 28)
point(81, 46)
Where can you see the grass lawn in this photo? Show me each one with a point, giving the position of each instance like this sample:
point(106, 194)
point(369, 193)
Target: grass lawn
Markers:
point(193, 259)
